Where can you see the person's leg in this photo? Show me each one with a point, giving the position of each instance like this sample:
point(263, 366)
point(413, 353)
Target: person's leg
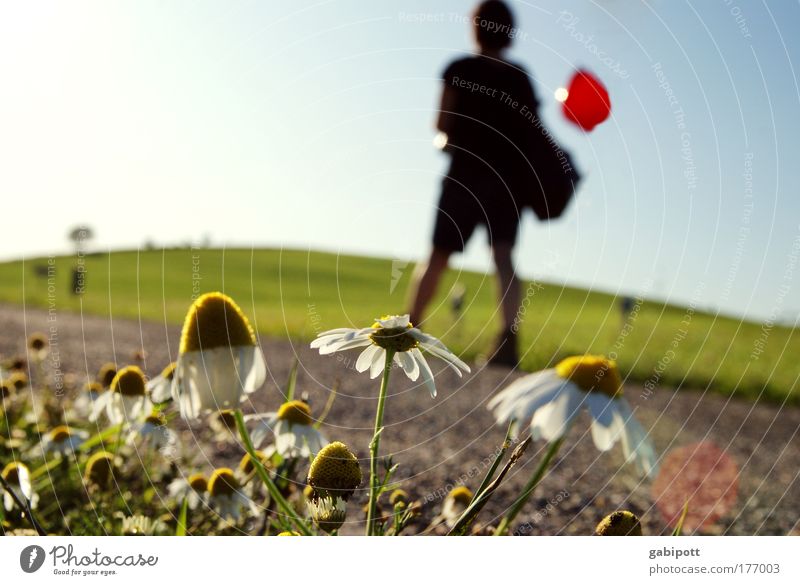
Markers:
point(507, 282)
point(505, 350)
point(424, 281)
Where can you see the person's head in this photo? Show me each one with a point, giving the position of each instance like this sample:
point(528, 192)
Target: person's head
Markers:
point(493, 25)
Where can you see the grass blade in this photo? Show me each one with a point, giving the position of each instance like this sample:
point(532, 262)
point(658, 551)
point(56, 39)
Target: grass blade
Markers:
point(180, 530)
point(679, 525)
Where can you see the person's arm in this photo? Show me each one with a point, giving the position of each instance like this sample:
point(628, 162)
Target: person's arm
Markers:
point(445, 120)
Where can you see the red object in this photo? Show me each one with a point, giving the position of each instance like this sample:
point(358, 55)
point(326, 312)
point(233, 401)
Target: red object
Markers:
point(701, 474)
point(587, 102)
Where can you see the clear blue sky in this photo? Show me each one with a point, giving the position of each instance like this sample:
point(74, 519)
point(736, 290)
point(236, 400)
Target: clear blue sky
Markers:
point(309, 124)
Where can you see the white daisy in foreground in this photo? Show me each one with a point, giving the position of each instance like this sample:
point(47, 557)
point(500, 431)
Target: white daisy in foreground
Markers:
point(160, 387)
point(192, 488)
point(18, 479)
point(153, 432)
point(396, 334)
point(126, 399)
point(63, 440)
point(553, 398)
point(292, 425)
point(225, 495)
point(220, 361)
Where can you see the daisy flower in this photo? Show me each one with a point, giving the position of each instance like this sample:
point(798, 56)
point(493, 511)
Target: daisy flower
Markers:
point(553, 398)
point(292, 425)
point(37, 347)
point(18, 478)
point(7, 390)
point(333, 477)
point(126, 399)
point(220, 361)
point(192, 488)
point(246, 468)
point(454, 505)
point(225, 495)
point(100, 470)
point(140, 525)
point(160, 387)
point(19, 380)
point(152, 431)
point(106, 374)
point(63, 440)
point(84, 404)
point(619, 523)
point(223, 423)
point(396, 334)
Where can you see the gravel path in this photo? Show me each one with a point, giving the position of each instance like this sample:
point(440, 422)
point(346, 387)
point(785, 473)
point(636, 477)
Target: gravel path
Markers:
point(440, 442)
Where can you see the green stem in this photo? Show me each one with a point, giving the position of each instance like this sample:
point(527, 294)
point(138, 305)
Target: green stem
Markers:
point(273, 490)
point(527, 491)
point(375, 443)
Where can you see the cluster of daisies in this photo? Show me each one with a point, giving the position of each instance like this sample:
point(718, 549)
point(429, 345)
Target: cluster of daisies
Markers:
point(291, 480)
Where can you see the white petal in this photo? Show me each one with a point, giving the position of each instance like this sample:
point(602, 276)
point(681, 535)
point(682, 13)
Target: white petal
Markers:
point(526, 395)
point(408, 363)
point(554, 419)
point(25, 482)
point(378, 363)
point(425, 370)
point(601, 407)
point(344, 345)
point(252, 368)
point(364, 360)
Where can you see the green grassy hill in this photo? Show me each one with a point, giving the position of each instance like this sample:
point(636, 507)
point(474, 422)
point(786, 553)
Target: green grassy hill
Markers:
point(297, 294)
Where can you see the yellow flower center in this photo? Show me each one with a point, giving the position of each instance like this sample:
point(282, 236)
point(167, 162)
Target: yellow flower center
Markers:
point(592, 374)
point(394, 338)
point(18, 380)
point(60, 434)
point(227, 418)
point(296, 412)
point(399, 496)
point(215, 320)
point(107, 374)
point(157, 420)
point(288, 533)
point(37, 342)
point(246, 464)
point(334, 472)
point(198, 482)
point(95, 387)
point(11, 473)
point(620, 523)
point(461, 495)
point(223, 482)
point(129, 381)
point(169, 372)
point(100, 468)
point(6, 389)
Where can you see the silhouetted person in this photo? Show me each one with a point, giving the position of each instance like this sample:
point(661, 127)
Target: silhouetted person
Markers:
point(486, 111)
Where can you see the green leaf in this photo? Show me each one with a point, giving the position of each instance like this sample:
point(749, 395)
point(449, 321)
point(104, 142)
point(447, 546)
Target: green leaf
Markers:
point(180, 530)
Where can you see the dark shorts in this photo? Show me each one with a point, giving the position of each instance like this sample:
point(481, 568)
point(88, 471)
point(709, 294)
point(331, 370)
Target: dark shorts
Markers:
point(466, 204)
